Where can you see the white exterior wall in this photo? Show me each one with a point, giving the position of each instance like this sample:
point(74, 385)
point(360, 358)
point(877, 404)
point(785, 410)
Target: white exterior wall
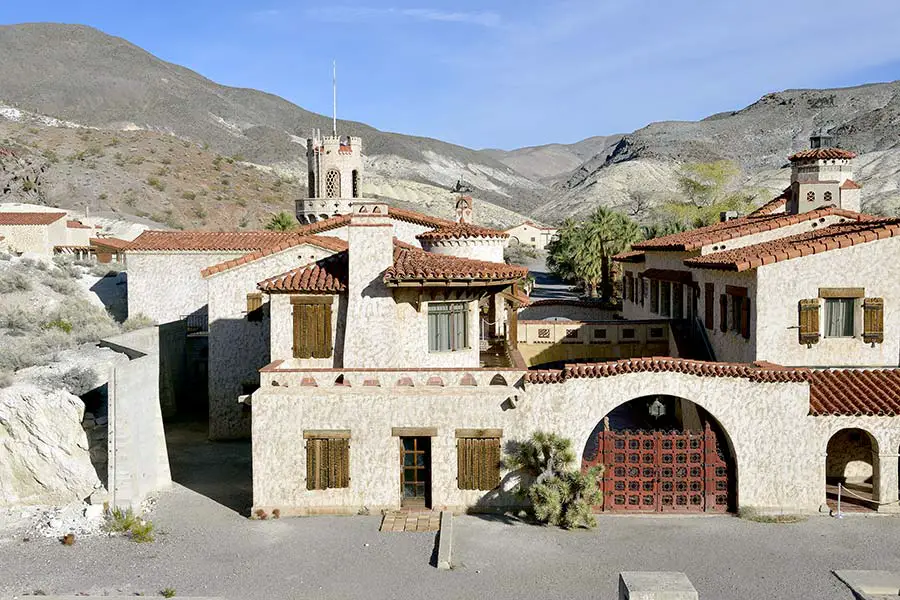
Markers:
point(28, 238)
point(489, 249)
point(529, 235)
point(165, 286)
point(780, 286)
point(281, 323)
point(772, 234)
point(765, 479)
point(729, 346)
point(238, 348)
point(77, 236)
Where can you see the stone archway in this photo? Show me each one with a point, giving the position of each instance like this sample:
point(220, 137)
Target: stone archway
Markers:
point(851, 464)
point(663, 454)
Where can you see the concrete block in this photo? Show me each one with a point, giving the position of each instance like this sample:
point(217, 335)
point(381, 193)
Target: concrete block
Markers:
point(871, 583)
point(655, 585)
point(445, 541)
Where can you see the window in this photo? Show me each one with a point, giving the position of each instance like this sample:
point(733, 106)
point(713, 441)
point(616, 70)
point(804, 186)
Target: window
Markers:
point(355, 183)
point(657, 332)
point(827, 197)
point(312, 326)
point(599, 334)
point(255, 307)
point(736, 302)
point(665, 296)
point(677, 301)
point(839, 314)
point(810, 196)
point(478, 458)
point(628, 334)
point(327, 459)
point(447, 326)
point(333, 184)
point(654, 296)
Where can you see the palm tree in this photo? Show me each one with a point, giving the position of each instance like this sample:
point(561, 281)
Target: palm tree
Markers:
point(283, 221)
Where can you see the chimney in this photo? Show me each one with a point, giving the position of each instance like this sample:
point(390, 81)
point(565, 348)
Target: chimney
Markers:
point(465, 209)
point(728, 215)
point(819, 140)
point(370, 303)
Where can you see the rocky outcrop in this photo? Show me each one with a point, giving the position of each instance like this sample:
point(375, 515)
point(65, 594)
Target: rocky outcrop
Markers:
point(44, 452)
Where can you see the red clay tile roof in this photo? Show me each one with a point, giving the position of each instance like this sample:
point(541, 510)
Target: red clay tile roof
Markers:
point(632, 256)
point(850, 185)
point(822, 154)
point(76, 225)
point(110, 242)
point(399, 214)
point(209, 241)
point(322, 241)
point(414, 265)
point(740, 227)
point(461, 230)
point(763, 372)
point(833, 237)
point(851, 392)
point(327, 275)
point(774, 206)
point(30, 218)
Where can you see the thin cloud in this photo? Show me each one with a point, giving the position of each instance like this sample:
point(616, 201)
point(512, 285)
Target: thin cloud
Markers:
point(347, 14)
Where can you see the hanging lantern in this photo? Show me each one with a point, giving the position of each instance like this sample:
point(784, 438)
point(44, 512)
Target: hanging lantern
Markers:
point(657, 409)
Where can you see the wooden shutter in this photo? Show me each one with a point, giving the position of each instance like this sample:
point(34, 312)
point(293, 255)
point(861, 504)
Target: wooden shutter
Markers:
point(809, 321)
point(709, 307)
point(745, 317)
point(723, 312)
point(312, 328)
point(327, 463)
point(254, 306)
point(478, 463)
point(873, 320)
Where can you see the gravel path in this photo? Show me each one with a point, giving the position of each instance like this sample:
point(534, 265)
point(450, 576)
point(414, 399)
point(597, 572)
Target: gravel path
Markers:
point(204, 548)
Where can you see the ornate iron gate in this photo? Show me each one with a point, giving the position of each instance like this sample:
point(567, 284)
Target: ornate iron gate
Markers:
point(662, 471)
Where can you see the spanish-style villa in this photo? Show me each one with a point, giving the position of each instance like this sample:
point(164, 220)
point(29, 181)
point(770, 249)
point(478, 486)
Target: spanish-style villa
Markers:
point(47, 232)
point(376, 357)
point(531, 234)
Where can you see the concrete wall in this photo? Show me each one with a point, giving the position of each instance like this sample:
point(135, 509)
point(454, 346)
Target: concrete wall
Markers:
point(782, 285)
point(778, 448)
point(238, 348)
point(165, 286)
point(138, 457)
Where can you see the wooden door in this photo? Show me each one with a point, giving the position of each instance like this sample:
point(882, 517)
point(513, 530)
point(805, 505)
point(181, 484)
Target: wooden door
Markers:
point(415, 472)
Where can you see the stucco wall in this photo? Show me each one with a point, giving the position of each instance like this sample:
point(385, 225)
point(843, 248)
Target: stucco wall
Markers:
point(165, 286)
point(780, 286)
point(281, 323)
point(490, 250)
point(77, 236)
point(779, 449)
point(27, 238)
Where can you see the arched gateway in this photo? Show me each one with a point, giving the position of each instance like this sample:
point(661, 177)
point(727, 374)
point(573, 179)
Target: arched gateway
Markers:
point(662, 454)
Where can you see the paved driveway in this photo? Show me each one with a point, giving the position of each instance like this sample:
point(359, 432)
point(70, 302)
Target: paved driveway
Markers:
point(204, 548)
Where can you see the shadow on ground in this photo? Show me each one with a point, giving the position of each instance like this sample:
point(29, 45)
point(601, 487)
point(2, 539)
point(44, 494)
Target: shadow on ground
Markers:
point(221, 471)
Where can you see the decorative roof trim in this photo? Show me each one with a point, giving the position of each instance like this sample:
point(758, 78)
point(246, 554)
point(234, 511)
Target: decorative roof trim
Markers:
point(822, 154)
point(326, 242)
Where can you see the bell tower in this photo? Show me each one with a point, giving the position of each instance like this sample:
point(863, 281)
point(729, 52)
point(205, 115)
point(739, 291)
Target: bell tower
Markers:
point(822, 176)
point(334, 176)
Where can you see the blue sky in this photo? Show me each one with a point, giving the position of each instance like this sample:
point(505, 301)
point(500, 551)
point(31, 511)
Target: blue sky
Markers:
point(508, 73)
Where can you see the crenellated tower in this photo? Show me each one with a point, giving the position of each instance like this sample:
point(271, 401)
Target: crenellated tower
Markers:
point(334, 171)
point(822, 176)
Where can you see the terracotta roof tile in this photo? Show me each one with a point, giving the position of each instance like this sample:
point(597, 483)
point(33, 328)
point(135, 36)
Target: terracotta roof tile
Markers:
point(632, 256)
point(209, 241)
point(850, 185)
point(76, 225)
point(740, 227)
point(762, 372)
point(833, 237)
point(412, 264)
point(822, 154)
point(459, 231)
point(30, 218)
point(774, 206)
point(399, 214)
point(327, 242)
point(327, 275)
point(110, 242)
point(855, 392)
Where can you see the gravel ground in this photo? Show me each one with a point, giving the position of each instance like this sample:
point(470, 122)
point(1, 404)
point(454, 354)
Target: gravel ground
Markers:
point(205, 548)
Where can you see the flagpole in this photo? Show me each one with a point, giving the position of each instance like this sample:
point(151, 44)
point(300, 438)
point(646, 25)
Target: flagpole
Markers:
point(334, 97)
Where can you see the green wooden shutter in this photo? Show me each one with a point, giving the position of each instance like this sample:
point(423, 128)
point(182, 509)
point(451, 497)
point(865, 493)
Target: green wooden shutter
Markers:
point(873, 320)
point(809, 321)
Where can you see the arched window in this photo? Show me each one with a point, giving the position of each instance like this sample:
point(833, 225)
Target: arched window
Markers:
point(333, 184)
point(355, 183)
point(311, 185)
point(810, 196)
point(827, 197)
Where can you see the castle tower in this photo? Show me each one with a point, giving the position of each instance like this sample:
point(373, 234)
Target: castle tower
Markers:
point(822, 176)
point(334, 171)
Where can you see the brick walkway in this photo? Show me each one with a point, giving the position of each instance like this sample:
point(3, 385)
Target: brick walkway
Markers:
point(414, 521)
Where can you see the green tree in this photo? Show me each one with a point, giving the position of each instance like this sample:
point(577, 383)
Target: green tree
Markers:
point(560, 494)
point(283, 221)
point(707, 190)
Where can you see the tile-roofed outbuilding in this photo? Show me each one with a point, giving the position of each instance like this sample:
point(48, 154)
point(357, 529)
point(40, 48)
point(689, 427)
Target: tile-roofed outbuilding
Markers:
point(460, 231)
point(695, 239)
point(110, 242)
point(30, 218)
point(833, 237)
point(412, 265)
point(76, 225)
point(855, 392)
point(822, 154)
point(322, 241)
point(208, 241)
point(327, 275)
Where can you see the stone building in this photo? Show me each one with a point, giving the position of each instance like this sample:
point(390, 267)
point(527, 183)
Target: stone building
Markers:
point(334, 169)
point(38, 232)
point(532, 234)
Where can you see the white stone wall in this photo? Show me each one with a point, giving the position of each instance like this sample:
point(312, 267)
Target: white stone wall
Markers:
point(281, 322)
point(773, 234)
point(780, 286)
point(77, 236)
point(238, 348)
point(779, 450)
point(165, 286)
point(489, 249)
point(27, 238)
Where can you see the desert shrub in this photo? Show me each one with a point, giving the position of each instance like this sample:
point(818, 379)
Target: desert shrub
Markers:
point(13, 281)
point(167, 593)
point(78, 381)
point(560, 494)
point(61, 285)
point(32, 350)
point(127, 523)
point(138, 321)
point(60, 324)
point(519, 254)
point(188, 195)
point(154, 182)
point(86, 322)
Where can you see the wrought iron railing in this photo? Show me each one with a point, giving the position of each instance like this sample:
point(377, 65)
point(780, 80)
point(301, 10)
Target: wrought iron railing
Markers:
point(197, 323)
